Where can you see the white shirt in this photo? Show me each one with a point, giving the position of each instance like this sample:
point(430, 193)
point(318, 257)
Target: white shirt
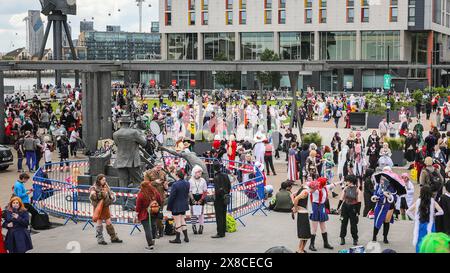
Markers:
point(198, 186)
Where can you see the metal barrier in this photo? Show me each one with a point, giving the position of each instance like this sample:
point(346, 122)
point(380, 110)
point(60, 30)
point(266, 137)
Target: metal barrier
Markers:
point(57, 192)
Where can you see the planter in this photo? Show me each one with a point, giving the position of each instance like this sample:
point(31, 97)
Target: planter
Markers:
point(398, 158)
point(201, 147)
point(373, 120)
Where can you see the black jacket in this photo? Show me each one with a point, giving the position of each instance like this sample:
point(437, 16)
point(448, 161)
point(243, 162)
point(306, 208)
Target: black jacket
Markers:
point(222, 185)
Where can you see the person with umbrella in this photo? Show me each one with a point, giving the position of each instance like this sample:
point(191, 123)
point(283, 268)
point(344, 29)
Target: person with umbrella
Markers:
point(388, 187)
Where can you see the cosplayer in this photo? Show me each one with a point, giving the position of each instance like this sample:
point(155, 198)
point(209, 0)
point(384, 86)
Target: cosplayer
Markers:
point(385, 197)
point(319, 195)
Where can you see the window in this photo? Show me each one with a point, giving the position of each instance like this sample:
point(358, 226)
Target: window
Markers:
point(282, 12)
point(375, 45)
point(205, 15)
point(338, 45)
point(228, 12)
point(268, 17)
point(182, 46)
point(267, 4)
point(191, 13)
point(254, 43)
point(282, 17)
point(322, 11)
point(229, 18)
point(296, 45)
point(168, 13)
point(393, 11)
point(308, 3)
point(350, 11)
point(242, 12)
point(364, 11)
point(216, 44)
point(308, 16)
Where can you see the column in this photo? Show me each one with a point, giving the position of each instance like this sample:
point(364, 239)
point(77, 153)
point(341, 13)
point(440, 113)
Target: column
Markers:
point(358, 45)
point(96, 108)
point(402, 45)
point(316, 45)
point(164, 46)
point(199, 46)
point(2, 109)
point(276, 42)
point(357, 80)
point(237, 46)
point(430, 43)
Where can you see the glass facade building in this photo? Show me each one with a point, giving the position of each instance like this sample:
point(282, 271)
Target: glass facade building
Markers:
point(216, 44)
point(338, 46)
point(375, 45)
point(182, 46)
point(254, 43)
point(297, 45)
point(121, 45)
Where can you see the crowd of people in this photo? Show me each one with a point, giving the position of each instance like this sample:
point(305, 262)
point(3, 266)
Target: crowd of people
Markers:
point(249, 136)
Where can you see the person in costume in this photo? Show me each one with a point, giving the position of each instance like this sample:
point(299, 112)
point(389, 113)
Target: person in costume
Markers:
point(318, 197)
point(303, 225)
point(292, 163)
point(385, 197)
point(328, 164)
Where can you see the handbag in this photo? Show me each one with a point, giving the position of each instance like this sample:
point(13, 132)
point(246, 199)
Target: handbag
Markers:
point(154, 208)
point(98, 211)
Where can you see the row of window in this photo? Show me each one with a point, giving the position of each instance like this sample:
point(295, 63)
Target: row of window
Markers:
point(340, 45)
point(268, 9)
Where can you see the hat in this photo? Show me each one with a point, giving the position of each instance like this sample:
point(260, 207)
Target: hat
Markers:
point(428, 161)
point(125, 119)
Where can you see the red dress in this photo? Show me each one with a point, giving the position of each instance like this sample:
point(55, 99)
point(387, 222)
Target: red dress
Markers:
point(232, 155)
point(2, 244)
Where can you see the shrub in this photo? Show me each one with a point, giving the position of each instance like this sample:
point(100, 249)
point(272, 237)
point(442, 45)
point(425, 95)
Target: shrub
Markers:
point(312, 138)
point(204, 136)
point(396, 143)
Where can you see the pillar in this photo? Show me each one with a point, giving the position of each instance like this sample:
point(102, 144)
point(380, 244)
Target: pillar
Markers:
point(358, 45)
point(163, 46)
point(96, 108)
point(430, 43)
point(316, 45)
point(199, 46)
point(293, 79)
point(340, 80)
point(357, 80)
point(2, 109)
point(276, 42)
point(237, 46)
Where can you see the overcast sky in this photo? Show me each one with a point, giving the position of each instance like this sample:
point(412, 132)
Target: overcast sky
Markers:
point(13, 29)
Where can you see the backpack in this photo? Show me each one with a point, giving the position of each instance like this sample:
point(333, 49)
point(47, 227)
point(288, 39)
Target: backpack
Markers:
point(338, 113)
point(169, 229)
point(231, 224)
point(351, 194)
point(435, 182)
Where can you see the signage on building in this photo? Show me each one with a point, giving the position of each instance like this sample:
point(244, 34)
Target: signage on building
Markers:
point(193, 83)
point(174, 82)
point(152, 83)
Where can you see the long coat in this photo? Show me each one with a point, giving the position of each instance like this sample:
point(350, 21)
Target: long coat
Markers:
point(18, 239)
point(128, 141)
point(179, 197)
point(2, 243)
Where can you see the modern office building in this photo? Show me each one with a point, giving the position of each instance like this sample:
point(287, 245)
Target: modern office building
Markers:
point(356, 39)
point(110, 45)
point(113, 28)
point(86, 26)
point(35, 31)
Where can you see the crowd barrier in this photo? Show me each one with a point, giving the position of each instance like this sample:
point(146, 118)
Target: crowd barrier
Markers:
point(57, 192)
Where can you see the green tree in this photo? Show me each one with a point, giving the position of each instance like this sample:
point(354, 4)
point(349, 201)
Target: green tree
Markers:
point(226, 78)
point(268, 78)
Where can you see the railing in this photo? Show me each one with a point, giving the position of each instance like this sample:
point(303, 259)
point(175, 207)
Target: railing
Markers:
point(57, 192)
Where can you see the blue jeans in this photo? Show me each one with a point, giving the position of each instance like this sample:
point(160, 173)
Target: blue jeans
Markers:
point(19, 163)
point(31, 160)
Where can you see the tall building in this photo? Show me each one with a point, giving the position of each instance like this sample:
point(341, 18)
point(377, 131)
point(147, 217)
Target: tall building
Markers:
point(65, 41)
point(35, 31)
point(154, 27)
point(109, 45)
point(356, 39)
point(86, 26)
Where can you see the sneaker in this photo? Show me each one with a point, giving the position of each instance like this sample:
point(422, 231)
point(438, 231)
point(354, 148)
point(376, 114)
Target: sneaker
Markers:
point(149, 248)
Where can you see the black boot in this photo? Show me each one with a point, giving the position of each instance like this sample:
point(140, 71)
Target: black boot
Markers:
point(311, 244)
point(342, 241)
point(176, 240)
point(375, 233)
point(161, 231)
point(355, 242)
point(200, 229)
point(186, 238)
point(385, 232)
point(194, 229)
point(325, 241)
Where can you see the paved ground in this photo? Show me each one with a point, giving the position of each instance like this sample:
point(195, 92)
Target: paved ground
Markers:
point(261, 232)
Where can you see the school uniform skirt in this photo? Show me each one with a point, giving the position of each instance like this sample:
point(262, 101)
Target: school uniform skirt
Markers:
point(303, 227)
point(318, 213)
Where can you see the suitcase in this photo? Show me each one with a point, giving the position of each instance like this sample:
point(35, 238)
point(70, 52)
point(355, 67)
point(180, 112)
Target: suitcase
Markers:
point(40, 221)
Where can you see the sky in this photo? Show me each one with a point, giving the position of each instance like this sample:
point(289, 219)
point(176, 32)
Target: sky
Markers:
point(13, 28)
